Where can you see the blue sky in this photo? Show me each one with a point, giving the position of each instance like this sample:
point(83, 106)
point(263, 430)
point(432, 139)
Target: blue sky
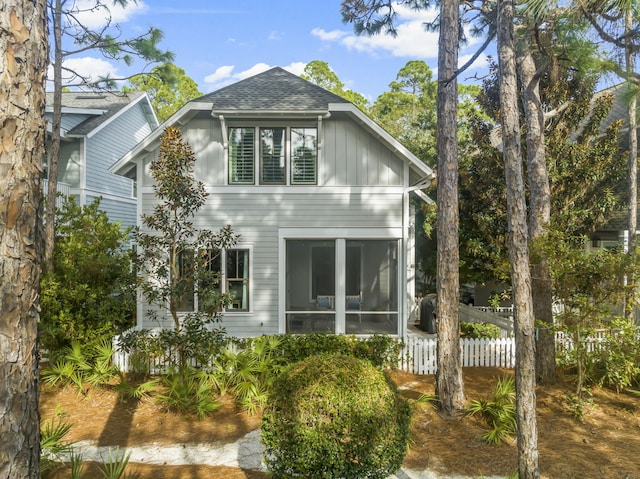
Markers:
point(220, 42)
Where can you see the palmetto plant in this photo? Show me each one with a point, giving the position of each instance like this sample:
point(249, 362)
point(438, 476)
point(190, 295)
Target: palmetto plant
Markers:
point(53, 447)
point(127, 390)
point(115, 466)
point(188, 391)
point(80, 364)
point(248, 374)
point(499, 412)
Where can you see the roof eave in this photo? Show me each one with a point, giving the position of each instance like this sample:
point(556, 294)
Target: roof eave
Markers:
point(269, 113)
point(125, 164)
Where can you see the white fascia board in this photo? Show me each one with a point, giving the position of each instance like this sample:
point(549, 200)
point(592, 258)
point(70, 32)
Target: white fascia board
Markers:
point(126, 163)
point(269, 113)
point(381, 133)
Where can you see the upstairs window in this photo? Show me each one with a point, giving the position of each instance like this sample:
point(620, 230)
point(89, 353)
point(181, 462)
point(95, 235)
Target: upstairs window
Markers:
point(280, 155)
point(304, 156)
point(241, 156)
point(272, 156)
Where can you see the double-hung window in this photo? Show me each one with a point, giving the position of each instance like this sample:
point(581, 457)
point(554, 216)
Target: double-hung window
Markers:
point(215, 280)
point(281, 155)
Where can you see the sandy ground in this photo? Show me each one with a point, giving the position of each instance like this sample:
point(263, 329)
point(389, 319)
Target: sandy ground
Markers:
point(226, 445)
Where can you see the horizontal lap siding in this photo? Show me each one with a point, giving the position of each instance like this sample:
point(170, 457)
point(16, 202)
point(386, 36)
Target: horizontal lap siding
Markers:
point(108, 145)
point(350, 158)
point(258, 217)
point(122, 211)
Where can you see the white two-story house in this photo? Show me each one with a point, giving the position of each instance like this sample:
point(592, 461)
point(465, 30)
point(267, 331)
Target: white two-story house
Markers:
point(320, 195)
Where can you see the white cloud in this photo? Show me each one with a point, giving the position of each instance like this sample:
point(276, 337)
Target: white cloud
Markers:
point(297, 68)
point(221, 74)
point(254, 70)
point(411, 40)
point(275, 35)
point(91, 17)
point(224, 75)
point(480, 62)
point(331, 36)
point(89, 68)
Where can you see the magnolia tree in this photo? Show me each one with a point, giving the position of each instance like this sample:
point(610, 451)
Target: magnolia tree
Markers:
point(176, 259)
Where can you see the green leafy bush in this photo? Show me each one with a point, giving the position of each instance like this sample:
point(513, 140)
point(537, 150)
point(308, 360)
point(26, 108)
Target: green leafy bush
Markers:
point(480, 330)
point(499, 412)
point(333, 416)
point(619, 358)
point(90, 292)
point(380, 350)
point(194, 343)
point(53, 446)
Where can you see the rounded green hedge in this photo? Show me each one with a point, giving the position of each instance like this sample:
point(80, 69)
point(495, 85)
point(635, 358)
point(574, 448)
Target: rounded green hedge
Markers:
point(335, 416)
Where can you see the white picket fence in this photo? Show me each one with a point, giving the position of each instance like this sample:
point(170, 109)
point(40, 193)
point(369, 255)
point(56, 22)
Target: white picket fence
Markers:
point(419, 353)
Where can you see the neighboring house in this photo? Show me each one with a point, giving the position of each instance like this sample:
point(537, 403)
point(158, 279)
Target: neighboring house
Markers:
point(96, 130)
point(320, 196)
point(616, 232)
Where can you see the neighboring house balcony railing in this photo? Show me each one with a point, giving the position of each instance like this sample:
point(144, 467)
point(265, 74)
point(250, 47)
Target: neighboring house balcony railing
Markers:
point(64, 189)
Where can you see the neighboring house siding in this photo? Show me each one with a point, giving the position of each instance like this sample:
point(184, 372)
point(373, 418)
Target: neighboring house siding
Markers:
point(258, 218)
point(118, 210)
point(108, 145)
point(70, 120)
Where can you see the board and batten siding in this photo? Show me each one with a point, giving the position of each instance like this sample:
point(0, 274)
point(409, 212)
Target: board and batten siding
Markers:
point(352, 156)
point(109, 144)
point(259, 216)
point(349, 155)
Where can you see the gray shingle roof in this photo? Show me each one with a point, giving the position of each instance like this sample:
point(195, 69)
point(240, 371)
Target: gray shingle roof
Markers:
point(110, 102)
point(272, 90)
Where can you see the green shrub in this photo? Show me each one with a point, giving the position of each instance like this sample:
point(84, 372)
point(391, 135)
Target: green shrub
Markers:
point(380, 350)
point(194, 343)
point(499, 412)
point(53, 446)
point(90, 292)
point(480, 330)
point(334, 416)
point(619, 359)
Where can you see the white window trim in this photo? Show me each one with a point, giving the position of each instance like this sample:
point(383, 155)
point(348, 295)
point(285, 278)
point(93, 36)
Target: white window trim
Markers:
point(223, 282)
point(257, 151)
point(223, 279)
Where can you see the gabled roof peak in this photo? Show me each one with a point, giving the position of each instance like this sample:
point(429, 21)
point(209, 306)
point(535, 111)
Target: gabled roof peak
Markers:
point(274, 89)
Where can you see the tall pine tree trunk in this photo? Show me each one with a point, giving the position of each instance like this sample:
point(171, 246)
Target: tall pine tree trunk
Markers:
point(449, 384)
point(56, 122)
point(23, 65)
point(518, 247)
point(633, 162)
point(540, 213)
